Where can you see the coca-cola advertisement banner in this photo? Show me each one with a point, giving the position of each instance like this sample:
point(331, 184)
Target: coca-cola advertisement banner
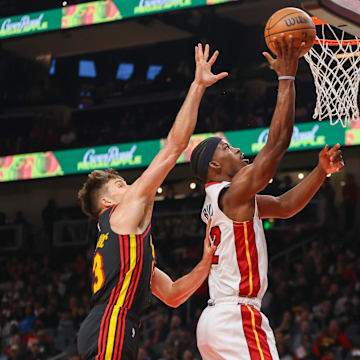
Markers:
point(306, 136)
point(95, 12)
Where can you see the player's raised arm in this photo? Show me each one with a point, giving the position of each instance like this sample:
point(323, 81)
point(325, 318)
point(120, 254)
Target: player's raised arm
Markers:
point(294, 200)
point(253, 178)
point(184, 125)
point(174, 293)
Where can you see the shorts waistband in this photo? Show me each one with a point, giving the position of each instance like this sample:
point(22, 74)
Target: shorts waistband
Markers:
point(236, 300)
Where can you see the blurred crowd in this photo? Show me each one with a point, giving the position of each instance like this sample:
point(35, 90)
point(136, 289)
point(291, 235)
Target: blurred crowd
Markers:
point(99, 112)
point(313, 301)
point(42, 306)
point(141, 121)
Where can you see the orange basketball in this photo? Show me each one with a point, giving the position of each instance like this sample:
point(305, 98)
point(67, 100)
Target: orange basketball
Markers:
point(291, 21)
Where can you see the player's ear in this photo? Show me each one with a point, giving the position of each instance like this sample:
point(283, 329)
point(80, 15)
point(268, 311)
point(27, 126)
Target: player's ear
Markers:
point(214, 165)
point(106, 201)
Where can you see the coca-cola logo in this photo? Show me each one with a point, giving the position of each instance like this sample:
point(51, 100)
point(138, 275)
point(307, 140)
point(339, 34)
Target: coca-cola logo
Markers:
point(25, 23)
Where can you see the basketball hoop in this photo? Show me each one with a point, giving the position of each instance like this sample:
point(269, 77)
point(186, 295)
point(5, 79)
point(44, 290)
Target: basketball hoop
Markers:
point(335, 64)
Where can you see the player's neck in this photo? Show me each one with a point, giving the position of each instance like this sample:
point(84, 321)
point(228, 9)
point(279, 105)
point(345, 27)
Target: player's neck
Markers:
point(218, 178)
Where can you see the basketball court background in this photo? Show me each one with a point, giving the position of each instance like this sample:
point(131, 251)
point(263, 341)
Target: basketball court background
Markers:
point(91, 79)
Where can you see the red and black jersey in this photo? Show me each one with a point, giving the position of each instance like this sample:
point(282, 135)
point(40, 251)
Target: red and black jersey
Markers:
point(122, 268)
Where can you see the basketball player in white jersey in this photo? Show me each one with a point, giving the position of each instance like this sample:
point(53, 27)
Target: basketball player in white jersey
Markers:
point(232, 326)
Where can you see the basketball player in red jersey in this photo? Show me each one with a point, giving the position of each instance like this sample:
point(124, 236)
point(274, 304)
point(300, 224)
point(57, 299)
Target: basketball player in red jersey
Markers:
point(232, 326)
point(124, 258)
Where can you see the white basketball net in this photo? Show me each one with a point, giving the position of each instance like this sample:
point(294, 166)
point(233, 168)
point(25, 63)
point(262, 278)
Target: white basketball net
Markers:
point(336, 71)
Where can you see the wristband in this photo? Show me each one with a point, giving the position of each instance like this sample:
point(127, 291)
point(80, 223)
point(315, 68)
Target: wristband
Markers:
point(286, 77)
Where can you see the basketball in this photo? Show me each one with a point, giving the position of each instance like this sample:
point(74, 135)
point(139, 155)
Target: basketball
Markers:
point(291, 21)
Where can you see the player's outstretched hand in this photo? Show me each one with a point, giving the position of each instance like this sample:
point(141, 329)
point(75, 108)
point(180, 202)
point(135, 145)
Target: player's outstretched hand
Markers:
point(286, 62)
point(209, 249)
point(203, 73)
point(331, 160)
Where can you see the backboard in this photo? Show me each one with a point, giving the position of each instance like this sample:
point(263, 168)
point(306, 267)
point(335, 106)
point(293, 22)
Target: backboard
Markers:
point(343, 14)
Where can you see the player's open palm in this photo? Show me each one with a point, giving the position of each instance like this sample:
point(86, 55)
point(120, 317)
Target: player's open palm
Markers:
point(286, 62)
point(209, 249)
point(203, 73)
point(331, 160)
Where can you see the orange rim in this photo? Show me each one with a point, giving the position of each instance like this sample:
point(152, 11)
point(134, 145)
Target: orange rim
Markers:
point(318, 41)
point(335, 42)
point(318, 21)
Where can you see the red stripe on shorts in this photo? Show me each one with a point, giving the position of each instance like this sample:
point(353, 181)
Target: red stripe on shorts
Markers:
point(249, 333)
point(262, 335)
point(254, 334)
point(102, 324)
point(122, 335)
point(119, 331)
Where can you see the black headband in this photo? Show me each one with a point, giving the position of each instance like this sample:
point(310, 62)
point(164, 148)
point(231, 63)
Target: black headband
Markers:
point(206, 156)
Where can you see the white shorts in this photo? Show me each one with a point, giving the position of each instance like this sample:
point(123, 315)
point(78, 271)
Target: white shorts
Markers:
point(235, 332)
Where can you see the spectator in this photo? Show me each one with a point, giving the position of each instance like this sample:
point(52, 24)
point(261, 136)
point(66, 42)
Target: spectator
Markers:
point(159, 335)
point(27, 323)
point(49, 318)
point(350, 198)
point(332, 342)
point(15, 353)
point(188, 355)
point(35, 351)
point(142, 354)
point(298, 336)
point(65, 331)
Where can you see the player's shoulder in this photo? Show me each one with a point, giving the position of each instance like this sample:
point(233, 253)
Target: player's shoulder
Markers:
point(105, 215)
point(215, 186)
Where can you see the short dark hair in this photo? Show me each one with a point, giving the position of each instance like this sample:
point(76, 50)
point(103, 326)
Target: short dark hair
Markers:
point(89, 192)
point(202, 155)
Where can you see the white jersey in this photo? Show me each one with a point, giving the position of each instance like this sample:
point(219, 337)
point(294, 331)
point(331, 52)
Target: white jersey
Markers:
point(240, 262)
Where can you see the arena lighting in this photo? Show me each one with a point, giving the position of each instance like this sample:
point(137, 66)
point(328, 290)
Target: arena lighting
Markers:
point(160, 190)
point(192, 186)
point(267, 224)
point(153, 72)
point(64, 3)
point(87, 68)
point(271, 181)
point(52, 69)
point(124, 71)
point(300, 176)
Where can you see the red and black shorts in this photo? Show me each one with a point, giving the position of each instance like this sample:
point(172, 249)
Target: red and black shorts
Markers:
point(109, 335)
